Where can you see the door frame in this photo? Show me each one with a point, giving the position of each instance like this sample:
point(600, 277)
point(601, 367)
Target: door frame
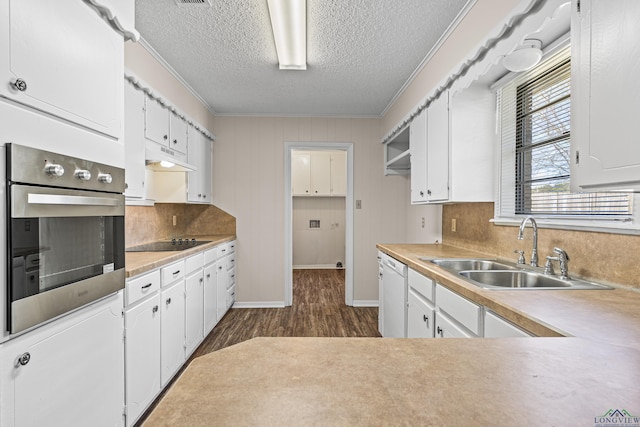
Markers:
point(288, 215)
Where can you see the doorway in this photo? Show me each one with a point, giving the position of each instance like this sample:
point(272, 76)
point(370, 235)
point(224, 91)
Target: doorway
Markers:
point(347, 262)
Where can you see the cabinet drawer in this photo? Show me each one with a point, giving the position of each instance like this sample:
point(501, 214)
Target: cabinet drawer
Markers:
point(210, 255)
point(172, 273)
point(422, 284)
point(446, 328)
point(224, 249)
point(459, 308)
point(497, 327)
point(231, 296)
point(194, 263)
point(142, 286)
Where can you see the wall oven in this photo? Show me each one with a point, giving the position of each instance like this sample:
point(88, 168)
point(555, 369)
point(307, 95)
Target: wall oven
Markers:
point(65, 229)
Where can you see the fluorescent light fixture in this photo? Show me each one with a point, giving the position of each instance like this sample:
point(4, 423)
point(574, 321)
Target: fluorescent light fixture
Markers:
point(525, 57)
point(166, 164)
point(289, 24)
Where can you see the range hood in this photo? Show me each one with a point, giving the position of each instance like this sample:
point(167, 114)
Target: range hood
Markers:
point(164, 159)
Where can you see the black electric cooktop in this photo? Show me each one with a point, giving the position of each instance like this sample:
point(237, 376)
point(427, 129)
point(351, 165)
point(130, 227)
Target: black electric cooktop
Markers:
point(166, 246)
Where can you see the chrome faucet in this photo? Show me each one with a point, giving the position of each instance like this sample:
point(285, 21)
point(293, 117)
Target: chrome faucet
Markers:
point(534, 251)
point(563, 258)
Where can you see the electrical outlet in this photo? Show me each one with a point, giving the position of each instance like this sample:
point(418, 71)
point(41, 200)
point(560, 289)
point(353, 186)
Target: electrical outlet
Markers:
point(422, 222)
point(358, 204)
point(453, 225)
point(175, 220)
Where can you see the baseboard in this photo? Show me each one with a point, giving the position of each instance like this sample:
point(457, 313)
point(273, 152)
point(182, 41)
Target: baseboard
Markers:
point(317, 267)
point(259, 304)
point(365, 303)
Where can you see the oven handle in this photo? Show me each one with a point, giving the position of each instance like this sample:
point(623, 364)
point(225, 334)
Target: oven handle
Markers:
point(58, 199)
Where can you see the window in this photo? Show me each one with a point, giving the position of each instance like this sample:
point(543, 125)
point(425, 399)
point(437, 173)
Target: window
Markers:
point(535, 134)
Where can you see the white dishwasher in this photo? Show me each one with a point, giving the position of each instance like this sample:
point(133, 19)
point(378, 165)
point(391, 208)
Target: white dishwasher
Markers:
point(394, 298)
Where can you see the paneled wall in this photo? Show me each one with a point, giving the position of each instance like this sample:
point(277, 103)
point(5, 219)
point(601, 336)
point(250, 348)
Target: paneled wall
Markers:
point(248, 178)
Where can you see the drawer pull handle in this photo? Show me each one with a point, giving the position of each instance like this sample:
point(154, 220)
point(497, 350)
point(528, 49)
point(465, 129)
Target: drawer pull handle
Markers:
point(147, 286)
point(426, 319)
point(175, 273)
point(209, 276)
point(440, 331)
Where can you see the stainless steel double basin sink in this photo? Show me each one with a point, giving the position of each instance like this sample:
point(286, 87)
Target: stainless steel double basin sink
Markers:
point(497, 275)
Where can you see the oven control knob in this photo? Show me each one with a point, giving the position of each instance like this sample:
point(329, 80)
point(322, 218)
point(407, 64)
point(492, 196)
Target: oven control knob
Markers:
point(105, 178)
point(83, 175)
point(54, 170)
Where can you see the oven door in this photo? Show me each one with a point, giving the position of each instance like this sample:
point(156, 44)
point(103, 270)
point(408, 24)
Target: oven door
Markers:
point(66, 249)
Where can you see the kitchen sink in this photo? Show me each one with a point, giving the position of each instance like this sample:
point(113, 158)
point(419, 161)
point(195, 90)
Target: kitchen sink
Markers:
point(470, 264)
point(504, 275)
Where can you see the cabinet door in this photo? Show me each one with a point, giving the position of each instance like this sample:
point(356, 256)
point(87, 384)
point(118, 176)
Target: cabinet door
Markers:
point(178, 132)
point(194, 311)
point(420, 317)
point(74, 374)
point(418, 149)
point(445, 328)
point(172, 327)
point(320, 173)
point(338, 173)
point(210, 298)
point(156, 122)
point(64, 60)
point(134, 142)
point(222, 278)
point(301, 174)
point(438, 149)
point(142, 356)
point(604, 95)
point(199, 154)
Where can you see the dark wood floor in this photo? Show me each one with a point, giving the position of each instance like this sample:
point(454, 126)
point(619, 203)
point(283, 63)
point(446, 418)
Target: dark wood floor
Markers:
point(318, 310)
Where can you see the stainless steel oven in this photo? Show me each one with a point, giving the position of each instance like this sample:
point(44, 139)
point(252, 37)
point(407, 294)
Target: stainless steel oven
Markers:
point(65, 229)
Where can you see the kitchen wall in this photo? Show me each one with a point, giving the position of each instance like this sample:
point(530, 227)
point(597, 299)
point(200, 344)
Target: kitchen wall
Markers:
point(249, 184)
point(605, 257)
point(144, 224)
point(323, 246)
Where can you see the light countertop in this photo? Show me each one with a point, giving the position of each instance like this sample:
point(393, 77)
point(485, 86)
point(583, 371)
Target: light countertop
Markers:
point(141, 262)
point(372, 381)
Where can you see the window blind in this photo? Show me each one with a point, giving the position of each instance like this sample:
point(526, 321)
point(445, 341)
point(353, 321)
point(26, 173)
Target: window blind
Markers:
point(534, 114)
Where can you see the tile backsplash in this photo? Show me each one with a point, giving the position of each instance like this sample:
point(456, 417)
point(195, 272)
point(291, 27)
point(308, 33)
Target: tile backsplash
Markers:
point(606, 257)
point(144, 224)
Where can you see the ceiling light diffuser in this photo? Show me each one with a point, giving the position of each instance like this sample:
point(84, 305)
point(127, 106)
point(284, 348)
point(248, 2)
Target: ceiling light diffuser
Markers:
point(525, 57)
point(289, 24)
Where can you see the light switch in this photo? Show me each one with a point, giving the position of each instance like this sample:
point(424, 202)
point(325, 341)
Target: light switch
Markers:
point(358, 204)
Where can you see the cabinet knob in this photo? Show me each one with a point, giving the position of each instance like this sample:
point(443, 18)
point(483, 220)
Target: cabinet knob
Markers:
point(19, 84)
point(422, 194)
point(154, 309)
point(175, 141)
point(23, 359)
point(440, 331)
point(429, 192)
point(209, 276)
point(201, 280)
point(426, 319)
point(168, 301)
point(165, 137)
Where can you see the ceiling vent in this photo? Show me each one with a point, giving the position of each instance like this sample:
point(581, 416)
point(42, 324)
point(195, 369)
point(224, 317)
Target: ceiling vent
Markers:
point(205, 3)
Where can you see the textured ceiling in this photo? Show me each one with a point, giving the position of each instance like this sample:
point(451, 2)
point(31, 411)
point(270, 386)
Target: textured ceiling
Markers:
point(359, 52)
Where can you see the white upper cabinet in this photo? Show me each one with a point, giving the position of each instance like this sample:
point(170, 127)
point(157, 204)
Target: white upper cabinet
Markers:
point(605, 95)
point(178, 131)
point(62, 59)
point(199, 154)
point(319, 173)
point(134, 142)
point(429, 146)
point(156, 122)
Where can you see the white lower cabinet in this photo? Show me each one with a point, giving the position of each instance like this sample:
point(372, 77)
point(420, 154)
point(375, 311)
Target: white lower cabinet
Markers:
point(172, 328)
point(420, 306)
point(71, 371)
point(497, 327)
point(210, 297)
point(142, 358)
point(448, 328)
point(457, 310)
point(168, 312)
